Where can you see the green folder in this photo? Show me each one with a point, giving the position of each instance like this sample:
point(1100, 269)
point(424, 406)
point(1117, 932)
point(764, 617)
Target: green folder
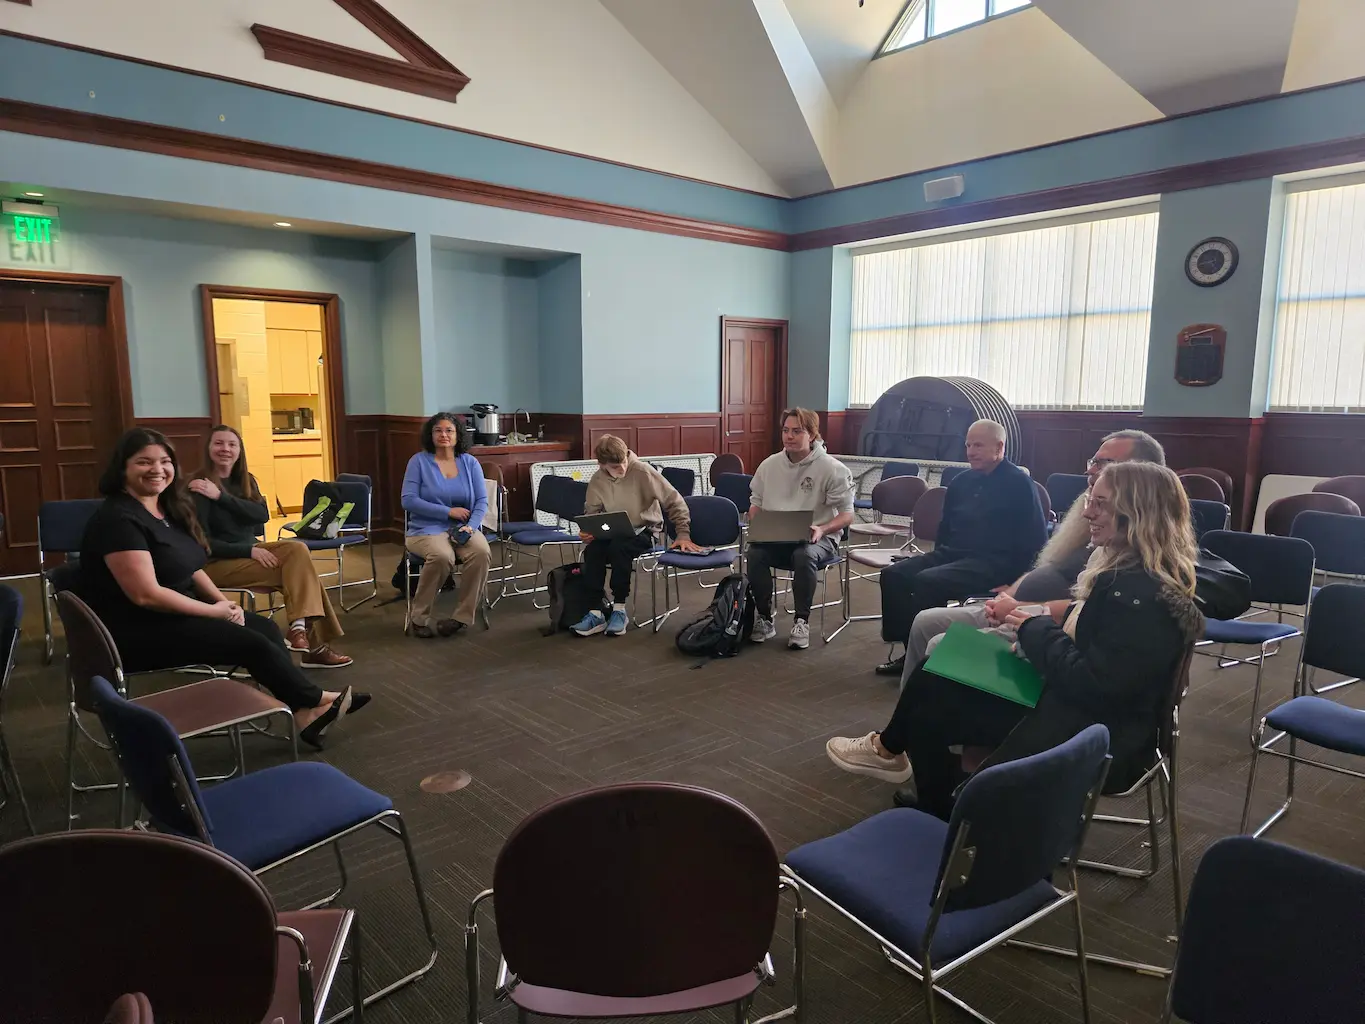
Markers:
point(984, 661)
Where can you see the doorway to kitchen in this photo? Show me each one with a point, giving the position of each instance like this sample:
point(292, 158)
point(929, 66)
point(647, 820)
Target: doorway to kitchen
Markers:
point(274, 373)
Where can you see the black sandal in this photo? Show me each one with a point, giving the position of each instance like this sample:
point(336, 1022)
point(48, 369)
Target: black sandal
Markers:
point(313, 733)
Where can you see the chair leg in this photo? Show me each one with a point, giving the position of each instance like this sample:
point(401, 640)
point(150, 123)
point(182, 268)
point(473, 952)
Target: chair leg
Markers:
point(49, 642)
point(357, 975)
point(1177, 869)
point(70, 766)
point(1082, 974)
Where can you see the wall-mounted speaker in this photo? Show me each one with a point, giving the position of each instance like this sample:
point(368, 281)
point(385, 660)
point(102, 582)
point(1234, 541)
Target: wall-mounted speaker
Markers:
point(944, 188)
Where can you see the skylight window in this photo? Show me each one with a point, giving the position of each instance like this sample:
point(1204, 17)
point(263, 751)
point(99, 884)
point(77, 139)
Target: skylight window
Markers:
point(924, 19)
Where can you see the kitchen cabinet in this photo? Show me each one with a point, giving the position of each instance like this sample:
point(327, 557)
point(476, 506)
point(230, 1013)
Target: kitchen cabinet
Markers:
point(297, 460)
point(290, 373)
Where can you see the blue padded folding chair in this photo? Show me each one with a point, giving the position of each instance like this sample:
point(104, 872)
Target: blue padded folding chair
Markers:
point(715, 524)
point(1274, 935)
point(1334, 642)
point(935, 894)
point(1065, 488)
point(889, 470)
point(559, 496)
point(684, 480)
point(61, 525)
point(412, 569)
point(735, 486)
point(1338, 554)
point(266, 819)
point(356, 490)
point(11, 617)
point(950, 473)
point(1209, 516)
point(1281, 573)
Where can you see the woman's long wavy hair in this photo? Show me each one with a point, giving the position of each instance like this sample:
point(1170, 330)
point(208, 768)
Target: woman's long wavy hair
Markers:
point(174, 502)
point(239, 479)
point(1152, 515)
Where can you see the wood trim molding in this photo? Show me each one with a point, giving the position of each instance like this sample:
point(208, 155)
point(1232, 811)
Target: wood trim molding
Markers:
point(184, 143)
point(422, 71)
point(331, 347)
point(114, 316)
point(1223, 171)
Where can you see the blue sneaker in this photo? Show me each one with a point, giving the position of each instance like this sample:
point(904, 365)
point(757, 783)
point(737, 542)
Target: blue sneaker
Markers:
point(616, 625)
point(591, 624)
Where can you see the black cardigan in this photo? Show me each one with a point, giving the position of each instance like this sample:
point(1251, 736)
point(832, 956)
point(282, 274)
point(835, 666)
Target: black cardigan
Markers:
point(1118, 671)
point(231, 523)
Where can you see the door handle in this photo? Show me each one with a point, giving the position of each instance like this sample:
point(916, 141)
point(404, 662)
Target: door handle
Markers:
point(733, 433)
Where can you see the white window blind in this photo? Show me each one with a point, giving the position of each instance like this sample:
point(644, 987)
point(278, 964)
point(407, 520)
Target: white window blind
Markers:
point(1053, 317)
point(1318, 362)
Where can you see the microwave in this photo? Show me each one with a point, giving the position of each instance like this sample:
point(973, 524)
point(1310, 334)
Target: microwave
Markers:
point(291, 421)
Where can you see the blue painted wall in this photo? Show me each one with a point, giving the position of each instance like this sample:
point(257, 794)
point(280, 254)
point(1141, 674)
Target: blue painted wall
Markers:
point(487, 331)
point(55, 76)
point(1246, 214)
point(560, 349)
point(164, 261)
point(400, 325)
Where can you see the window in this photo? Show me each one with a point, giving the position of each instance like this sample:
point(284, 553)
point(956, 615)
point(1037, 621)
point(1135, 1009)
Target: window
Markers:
point(1318, 361)
point(1053, 317)
point(924, 19)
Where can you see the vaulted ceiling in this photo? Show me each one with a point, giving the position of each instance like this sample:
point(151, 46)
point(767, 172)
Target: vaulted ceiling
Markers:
point(779, 75)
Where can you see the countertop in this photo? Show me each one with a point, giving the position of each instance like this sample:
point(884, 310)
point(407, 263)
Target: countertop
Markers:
point(508, 449)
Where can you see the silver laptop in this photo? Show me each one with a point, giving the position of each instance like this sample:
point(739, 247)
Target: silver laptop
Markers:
point(605, 525)
point(771, 527)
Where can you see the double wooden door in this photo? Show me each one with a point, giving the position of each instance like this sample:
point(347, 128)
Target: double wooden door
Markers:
point(60, 405)
point(753, 388)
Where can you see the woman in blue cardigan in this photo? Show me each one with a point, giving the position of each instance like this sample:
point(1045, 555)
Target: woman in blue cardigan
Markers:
point(445, 498)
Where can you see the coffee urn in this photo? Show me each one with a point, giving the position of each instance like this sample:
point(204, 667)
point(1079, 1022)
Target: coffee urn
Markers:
point(485, 423)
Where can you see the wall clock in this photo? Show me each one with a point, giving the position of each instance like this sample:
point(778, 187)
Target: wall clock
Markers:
point(1211, 262)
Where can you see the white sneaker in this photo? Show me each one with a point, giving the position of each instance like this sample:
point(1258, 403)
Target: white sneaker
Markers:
point(859, 756)
point(763, 630)
point(800, 635)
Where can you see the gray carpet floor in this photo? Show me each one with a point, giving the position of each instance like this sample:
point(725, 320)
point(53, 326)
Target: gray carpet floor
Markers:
point(532, 718)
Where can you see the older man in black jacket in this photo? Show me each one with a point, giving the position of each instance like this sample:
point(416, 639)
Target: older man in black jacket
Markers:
point(991, 531)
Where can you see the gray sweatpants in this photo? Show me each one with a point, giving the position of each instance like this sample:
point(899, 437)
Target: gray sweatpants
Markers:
point(930, 625)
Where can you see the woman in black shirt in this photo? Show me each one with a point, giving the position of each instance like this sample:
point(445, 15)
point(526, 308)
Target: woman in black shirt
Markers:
point(142, 572)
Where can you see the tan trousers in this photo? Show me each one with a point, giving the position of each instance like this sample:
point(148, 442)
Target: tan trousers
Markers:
point(295, 577)
point(439, 557)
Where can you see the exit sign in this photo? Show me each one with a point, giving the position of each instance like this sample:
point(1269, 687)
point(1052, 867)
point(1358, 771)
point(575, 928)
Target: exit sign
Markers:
point(25, 228)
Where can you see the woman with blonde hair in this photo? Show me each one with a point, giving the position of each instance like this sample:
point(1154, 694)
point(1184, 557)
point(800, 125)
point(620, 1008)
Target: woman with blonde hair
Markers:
point(1109, 656)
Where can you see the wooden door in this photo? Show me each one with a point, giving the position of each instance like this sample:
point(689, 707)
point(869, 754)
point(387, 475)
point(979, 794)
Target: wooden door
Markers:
point(753, 388)
point(60, 405)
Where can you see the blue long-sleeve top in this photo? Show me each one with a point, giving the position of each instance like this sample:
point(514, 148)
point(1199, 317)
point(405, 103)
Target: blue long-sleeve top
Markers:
point(995, 516)
point(428, 495)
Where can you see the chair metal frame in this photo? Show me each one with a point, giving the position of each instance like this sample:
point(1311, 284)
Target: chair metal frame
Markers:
point(676, 574)
point(1303, 687)
point(8, 775)
point(957, 867)
point(455, 574)
point(519, 550)
point(362, 532)
point(823, 572)
point(75, 728)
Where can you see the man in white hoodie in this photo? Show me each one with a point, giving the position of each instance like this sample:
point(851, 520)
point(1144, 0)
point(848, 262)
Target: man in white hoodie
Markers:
point(801, 476)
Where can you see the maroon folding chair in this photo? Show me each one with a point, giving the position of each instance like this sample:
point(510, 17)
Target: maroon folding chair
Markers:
point(640, 899)
point(1279, 514)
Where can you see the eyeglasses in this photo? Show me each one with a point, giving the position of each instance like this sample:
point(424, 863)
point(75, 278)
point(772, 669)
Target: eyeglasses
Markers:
point(1096, 463)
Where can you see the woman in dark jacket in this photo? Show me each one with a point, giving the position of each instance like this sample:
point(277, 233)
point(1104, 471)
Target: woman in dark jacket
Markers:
point(232, 511)
point(142, 572)
point(1108, 657)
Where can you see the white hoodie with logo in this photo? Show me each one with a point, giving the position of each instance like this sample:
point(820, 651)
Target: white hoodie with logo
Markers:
point(819, 482)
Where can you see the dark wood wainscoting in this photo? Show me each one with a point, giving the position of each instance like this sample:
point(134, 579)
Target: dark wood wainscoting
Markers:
point(650, 434)
point(189, 434)
point(1313, 444)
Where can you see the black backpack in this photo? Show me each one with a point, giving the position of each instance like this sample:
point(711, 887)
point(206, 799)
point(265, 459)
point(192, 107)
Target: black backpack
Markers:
point(414, 563)
point(568, 595)
point(723, 629)
point(324, 511)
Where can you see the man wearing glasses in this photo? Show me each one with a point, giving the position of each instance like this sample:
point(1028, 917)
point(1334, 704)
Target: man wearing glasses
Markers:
point(1058, 565)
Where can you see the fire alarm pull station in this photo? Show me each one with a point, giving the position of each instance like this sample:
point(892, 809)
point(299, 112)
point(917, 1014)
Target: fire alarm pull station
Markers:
point(1199, 355)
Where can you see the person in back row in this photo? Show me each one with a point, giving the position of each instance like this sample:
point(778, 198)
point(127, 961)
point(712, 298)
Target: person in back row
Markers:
point(231, 509)
point(801, 477)
point(991, 530)
point(1058, 565)
point(625, 484)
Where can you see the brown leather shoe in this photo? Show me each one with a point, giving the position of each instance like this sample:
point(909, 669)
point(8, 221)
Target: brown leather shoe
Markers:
point(325, 657)
point(449, 627)
point(297, 640)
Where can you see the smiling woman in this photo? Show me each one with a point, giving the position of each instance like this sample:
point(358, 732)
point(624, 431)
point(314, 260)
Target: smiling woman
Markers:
point(142, 572)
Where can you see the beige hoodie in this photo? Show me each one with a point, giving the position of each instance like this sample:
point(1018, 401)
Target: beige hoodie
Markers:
point(642, 494)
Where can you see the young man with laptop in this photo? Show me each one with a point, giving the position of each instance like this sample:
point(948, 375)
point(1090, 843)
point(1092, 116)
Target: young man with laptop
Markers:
point(623, 517)
point(800, 501)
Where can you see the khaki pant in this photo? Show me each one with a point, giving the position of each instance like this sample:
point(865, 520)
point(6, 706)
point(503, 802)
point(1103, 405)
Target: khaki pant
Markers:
point(295, 577)
point(439, 557)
